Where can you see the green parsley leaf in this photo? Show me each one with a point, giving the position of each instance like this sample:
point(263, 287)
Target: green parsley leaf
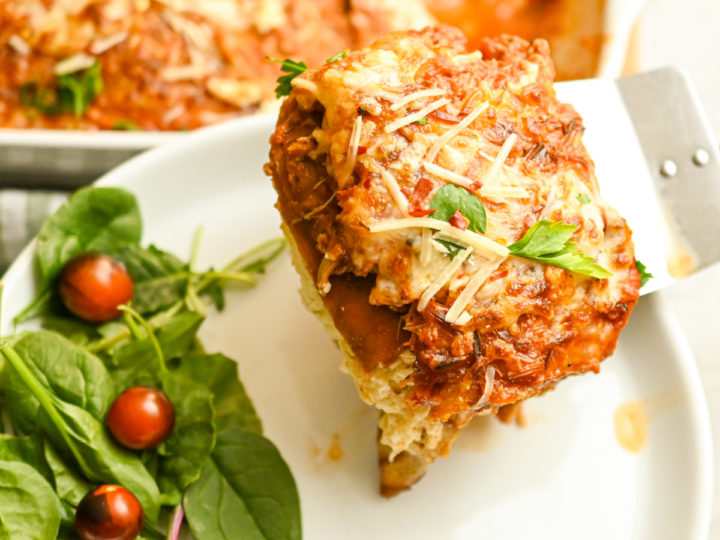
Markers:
point(422, 121)
point(645, 276)
point(451, 248)
point(451, 198)
point(549, 242)
point(583, 198)
point(338, 56)
point(73, 93)
point(293, 69)
point(126, 125)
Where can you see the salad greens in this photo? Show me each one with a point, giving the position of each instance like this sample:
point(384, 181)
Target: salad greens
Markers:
point(57, 384)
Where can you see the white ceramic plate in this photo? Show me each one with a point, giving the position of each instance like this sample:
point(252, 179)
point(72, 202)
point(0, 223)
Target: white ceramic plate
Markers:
point(563, 477)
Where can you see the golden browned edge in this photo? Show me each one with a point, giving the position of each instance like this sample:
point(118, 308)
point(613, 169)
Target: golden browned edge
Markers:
point(406, 469)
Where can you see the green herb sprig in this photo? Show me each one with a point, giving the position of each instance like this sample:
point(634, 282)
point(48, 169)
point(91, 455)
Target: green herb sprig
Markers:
point(645, 276)
point(73, 93)
point(293, 69)
point(549, 242)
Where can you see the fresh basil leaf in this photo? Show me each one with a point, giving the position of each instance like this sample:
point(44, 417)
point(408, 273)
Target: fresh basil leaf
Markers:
point(69, 483)
point(246, 491)
point(125, 125)
point(76, 91)
point(451, 198)
point(293, 69)
point(193, 436)
point(645, 276)
point(28, 450)
point(583, 198)
point(135, 362)
point(29, 508)
point(451, 248)
point(69, 371)
point(548, 242)
point(233, 407)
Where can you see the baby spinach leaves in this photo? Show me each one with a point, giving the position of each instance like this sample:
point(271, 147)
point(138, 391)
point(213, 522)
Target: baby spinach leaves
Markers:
point(245, 486)
point(30, 508)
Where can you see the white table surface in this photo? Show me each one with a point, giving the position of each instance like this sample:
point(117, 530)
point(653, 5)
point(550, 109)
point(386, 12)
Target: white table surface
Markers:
point(686, 33)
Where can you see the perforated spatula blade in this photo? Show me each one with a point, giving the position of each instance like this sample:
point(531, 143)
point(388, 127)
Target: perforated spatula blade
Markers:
point(657, 162)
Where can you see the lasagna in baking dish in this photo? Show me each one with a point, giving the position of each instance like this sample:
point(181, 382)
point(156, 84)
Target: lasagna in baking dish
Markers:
point(168, 64)
point(449, 231)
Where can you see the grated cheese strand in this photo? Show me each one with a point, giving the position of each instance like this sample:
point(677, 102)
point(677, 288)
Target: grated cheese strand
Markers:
point(304, 84)
point(414, 117)
point(504, 192)
point(499, 160)
point(443, 277)
point(482, 244)
point(353, 144)
point(487, 389)
point(74, 63)
point(452, 132)
point(462, 301)
point(428, 92)
point(425, 247)
point(445, 174)
point(393, 188)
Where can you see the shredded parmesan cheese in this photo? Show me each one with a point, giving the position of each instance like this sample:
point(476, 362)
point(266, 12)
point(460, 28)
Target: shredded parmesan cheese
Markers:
point(484, 400)
point(19, 45)
point(445, 174)
point(393, 188)
point(185, 73)
point(73, 63)
point(463, 319)
point(418, 115)
point(443, 277)
point(353, 144)
point(100, 45)
point(304, 84)
point(482, 244)
point(425, 247)
point(452, 132)
point(462, 301)
point(428, 92)
point(504, 192)
point(499, 160)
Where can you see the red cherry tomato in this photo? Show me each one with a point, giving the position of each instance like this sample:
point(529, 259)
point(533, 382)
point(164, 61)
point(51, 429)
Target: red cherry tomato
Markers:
point(109, 513)
point(92, 286)
point(141, 417)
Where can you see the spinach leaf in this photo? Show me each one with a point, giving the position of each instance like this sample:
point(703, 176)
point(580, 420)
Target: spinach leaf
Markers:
point(193, 436)
point(80, 437)
point(29, 450)
point(135, 362)
point(29, 508)
point(69, 371)
point(69, 484)
point(101, 219)
point(451, 198)
point(72, 328)
point(246, 491)
point(233, 408)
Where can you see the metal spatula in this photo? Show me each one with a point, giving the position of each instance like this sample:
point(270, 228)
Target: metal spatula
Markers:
point(658, 164)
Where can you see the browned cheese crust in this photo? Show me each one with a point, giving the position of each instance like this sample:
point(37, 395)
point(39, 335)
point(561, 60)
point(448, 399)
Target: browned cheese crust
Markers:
point(528, 325)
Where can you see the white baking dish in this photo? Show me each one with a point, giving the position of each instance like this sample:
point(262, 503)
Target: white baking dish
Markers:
point(61, 158)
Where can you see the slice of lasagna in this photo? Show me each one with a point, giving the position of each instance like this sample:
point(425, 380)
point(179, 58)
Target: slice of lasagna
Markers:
point(449, 231)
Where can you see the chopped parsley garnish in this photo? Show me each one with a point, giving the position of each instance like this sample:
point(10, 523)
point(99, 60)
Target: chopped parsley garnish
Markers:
point(338, 56)
point(422, 121)
point(583, 198)
point(451, 198)
point(645, 276)
point(293, 69)
point(549, 242)
point(73, 93)
point(126, 125)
